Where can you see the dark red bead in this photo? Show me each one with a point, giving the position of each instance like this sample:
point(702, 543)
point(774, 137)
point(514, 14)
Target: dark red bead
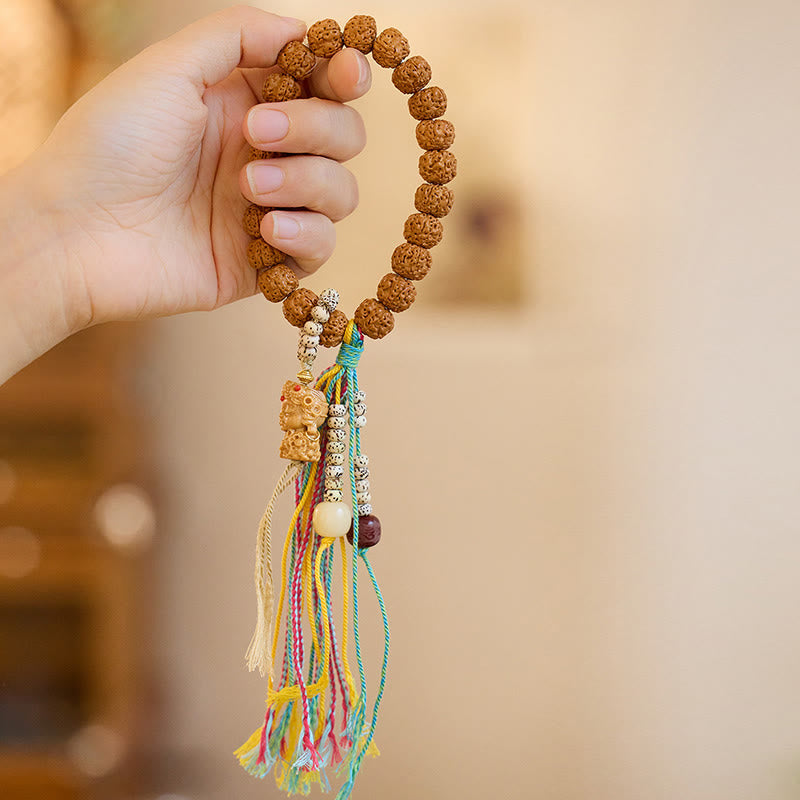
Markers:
point(369, 531)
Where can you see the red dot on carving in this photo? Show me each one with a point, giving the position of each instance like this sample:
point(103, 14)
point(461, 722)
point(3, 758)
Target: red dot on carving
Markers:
point(297, 388)
point(282, 398)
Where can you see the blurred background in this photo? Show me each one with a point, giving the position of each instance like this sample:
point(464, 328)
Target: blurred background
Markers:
point(593, 584)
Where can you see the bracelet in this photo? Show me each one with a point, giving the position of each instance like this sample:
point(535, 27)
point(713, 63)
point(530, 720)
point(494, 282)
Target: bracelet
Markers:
point(301, 735)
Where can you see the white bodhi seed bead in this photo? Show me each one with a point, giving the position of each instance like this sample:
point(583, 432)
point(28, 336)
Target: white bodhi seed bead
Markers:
point(333, 495)
point(360, 422)
point(364, 509)
point(361, 396)
point(336, 447)
point(360, 409)
point(335, 458)
point(312, 328)
point(332, 519)
point(337, 409)
point(334, 471)
point(320, 315)
point(337, 422)
point(336, 435)
point(362, 486)
point(363, 497)
point(362, 460)
point(333, 483)
point(361, 473)
point(329, 298)
point(307, 340)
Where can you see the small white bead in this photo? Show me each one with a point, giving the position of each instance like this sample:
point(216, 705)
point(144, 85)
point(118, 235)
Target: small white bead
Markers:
point(362, 460)
point(332, 519)
point(334, 471)
point(333, 495)
point(364, 509)
point(336, 435)
point(337, 409)
point(329, 298)
point(333, 483)
point(307, 340)
point(320, 315)
point(312, 328)
point(335, 447)
point(337, 422)
point(360, 422)
point(361, 473)
point(363, 497)
point(361, 396)
point(362, 486)
point(335, 458)
point(360, 409)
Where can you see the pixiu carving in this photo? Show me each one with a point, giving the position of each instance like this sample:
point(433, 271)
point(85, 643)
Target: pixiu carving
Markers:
point(302, 412)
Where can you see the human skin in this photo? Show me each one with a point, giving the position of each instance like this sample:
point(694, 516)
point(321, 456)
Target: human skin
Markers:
point(132, 207)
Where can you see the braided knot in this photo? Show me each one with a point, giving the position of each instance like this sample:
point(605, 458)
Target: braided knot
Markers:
point(352, 347)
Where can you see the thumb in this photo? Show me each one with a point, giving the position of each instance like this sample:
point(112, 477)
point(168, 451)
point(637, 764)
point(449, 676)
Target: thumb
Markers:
point(208, 50)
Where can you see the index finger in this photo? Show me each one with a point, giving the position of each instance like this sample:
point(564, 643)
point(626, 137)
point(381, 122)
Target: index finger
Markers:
point(347, 76)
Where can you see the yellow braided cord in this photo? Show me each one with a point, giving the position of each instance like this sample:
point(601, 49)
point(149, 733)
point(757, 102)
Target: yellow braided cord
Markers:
point(346, 623)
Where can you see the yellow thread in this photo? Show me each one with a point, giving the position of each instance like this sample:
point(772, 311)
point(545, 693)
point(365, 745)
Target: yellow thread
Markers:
point(323, 605)
point(345, 623)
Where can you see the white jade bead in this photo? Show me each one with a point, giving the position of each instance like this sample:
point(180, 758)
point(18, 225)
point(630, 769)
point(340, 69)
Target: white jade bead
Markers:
point(364, 510)
point(332, 519)
point(360, 422)
point(312, 328)
point(362, 485)
point(334, 471)
point(307, 340)
point(335, 458)
point(361, 461)
point(333, 495)
point(337, 409)
point(363, 497)
point(333, 483)
point(320, 315)
point(336, 435)
point(336, 447)
point(337, 422)
point(329, 298)
point(360, 409)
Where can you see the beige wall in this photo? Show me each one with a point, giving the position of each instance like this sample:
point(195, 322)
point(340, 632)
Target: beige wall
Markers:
point(591, 528)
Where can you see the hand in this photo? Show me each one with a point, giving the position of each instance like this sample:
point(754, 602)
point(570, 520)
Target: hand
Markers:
point(147, 170)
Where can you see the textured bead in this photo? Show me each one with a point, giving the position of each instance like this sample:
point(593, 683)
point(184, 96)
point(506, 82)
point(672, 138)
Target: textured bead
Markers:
point(423, 230)
point(333, 483)
point(277, 283)
point(336, 435)
point(320, 314)
point(260, 254)
point(360, 396)
point(411, 261)
point(390, 48)
point(297, 306)
point(251, 222)
point(363, 497)
point(360, 32)
point(361, 474)
point(337, 422)
point(428, 103)
point(396, 293)
point(335, 458)
point(333, 331)
point(337, 409)
point(359, 409)
point(435, 134)
point(329, 298)
point(259, 155)
point(438, 166)
point(336, 446)
point(412, 75)
point(433, 199)
point(333, 496)
point(313, 328)
point(332, 519)
point(307, 354)
point(360, 422)
point(362, 485)
point(309, 340)
point(361, 461)
point(369, 530)
point(278, 87)
point(325, 38)
point(334, 471)
point(296, 59)
point(374, 319)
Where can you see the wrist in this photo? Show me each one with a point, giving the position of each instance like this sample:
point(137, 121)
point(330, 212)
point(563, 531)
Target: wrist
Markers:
point(42, 299)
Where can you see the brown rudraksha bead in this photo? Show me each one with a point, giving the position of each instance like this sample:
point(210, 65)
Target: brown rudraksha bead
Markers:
point(251, 221)
point(257, 155)
point(395, 292)
point(428, 103)
point(296, 59)
point(423, 230)
point(412, 75)
point(435, 134)
point(325, 38)
point(438, 166)
point(374, 319)
point(360, 33)
point(333, 330)
point(369, 531)
point(411, 261)
point(433, 199)
point(277, 283)
point(297, 306)
point(260, 254)
point(278, 86)
point(390, 48)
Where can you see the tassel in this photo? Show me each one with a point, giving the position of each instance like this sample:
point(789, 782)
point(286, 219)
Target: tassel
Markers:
point(316, 718)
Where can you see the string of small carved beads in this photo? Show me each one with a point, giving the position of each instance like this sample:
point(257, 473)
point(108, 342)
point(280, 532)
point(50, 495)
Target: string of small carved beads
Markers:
point(411, 261)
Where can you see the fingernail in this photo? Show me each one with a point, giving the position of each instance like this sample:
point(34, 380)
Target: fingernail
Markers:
point(267, 125)
point(264, 178)
point(285, 226)
point(363, 70)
